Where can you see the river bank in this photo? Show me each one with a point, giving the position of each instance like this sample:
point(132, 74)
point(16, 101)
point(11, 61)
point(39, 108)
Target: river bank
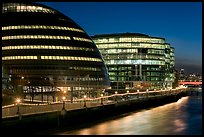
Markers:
point(39, 122)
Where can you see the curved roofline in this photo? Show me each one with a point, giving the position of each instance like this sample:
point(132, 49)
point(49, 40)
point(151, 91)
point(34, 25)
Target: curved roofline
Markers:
point(31, 3)
point(45, 6)
point(124, 34)
point(38, 4)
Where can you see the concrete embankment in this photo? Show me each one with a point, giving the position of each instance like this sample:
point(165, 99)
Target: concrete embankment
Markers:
point(34, 123)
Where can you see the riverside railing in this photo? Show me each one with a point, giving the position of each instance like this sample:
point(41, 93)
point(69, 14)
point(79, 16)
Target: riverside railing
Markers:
point(34, 108)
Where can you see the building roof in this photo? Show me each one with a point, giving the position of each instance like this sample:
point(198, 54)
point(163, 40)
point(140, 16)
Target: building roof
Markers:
point(123, 34)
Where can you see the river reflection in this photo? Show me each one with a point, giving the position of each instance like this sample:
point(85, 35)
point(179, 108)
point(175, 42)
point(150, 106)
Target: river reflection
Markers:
point(183, 117)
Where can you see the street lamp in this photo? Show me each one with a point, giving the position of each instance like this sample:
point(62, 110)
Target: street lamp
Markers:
point(127, 94)
point(147, 92)
point(63, 104)
point(63, 112)
point(101, 99)
point(18, 100)
point(138, 93)
point(84, 100)
point(116, 96)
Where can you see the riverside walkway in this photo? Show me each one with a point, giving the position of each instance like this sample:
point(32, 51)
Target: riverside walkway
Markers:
point(24, 109)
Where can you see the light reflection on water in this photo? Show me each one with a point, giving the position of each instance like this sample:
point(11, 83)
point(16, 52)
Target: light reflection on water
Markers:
point(183, 117)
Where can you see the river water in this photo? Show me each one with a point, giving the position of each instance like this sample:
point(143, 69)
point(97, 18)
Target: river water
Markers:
point(183, 117)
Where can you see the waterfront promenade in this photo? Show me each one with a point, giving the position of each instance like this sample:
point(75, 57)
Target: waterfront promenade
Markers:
point(27, 108)
point(34, 118)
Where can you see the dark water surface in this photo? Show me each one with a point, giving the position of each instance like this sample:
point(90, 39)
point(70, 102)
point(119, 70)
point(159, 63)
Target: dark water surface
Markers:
point(183, 117)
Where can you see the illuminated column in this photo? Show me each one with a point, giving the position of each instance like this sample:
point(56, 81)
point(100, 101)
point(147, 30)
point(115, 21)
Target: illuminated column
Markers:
point(71, 94)
point(136, 71)
point(141, 71)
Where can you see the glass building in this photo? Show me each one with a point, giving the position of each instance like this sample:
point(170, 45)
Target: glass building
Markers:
point(136, 61)
point(43, 50)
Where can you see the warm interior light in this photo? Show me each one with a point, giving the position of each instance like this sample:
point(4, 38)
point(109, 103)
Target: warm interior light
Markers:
point(18, 100)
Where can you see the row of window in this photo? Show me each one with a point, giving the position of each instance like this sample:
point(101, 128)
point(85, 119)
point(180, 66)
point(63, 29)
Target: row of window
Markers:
point(133, 45)
point(71, 58)
point(143, 62)
point(15, 7)
point(46, 47)
point(47, 89)
point(44, 37)
point(153, 51)
point(52, 58)
point(110, 68)
point(82, 39)
point(119, 68)
point(85, 68)
point(116, 51)
point(40, 27)
point(132, 74)
point(130, 50)
point(66, 78)
point(132, 56)
point(112, 78)
point(35, 37)
point(128, 39)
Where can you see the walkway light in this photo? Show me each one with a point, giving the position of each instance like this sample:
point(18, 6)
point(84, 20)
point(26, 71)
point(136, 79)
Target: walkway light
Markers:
point(138, 93)
point(18, 100)
point(63, 99)
point(127, 94)
point(116, 96)
point(147, 90)
point(101, 99)
point(84, 100)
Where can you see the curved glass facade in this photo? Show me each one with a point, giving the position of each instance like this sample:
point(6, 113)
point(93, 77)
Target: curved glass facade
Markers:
point(42, 49)
point(137, 60)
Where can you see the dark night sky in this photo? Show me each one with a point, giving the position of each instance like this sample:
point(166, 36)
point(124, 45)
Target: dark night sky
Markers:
point(180, 23)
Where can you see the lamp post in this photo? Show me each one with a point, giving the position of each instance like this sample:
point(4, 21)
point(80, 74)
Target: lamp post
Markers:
point(18, 100)
point(116, 96)
point(147, 92)
point(127, 94)
point(63, 112)
point(63, 104)
point(138, 93)
point(101, 99)
point(84, 100)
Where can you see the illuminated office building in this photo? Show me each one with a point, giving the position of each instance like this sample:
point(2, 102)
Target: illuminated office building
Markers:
point(44, 50)
point(136, 60)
